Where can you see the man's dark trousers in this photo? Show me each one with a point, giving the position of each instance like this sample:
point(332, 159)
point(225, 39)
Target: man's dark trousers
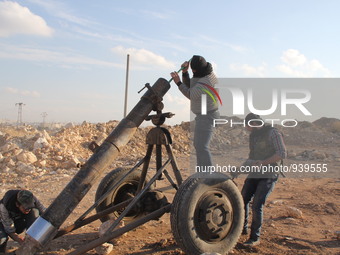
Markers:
point(259, 189)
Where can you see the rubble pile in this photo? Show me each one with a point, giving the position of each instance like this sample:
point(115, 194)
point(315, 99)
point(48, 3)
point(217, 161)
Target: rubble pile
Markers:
point(318, 140)
point(27, 151)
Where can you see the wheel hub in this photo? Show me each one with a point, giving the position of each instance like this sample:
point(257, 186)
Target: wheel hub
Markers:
point(214, 216)
point(126, 191)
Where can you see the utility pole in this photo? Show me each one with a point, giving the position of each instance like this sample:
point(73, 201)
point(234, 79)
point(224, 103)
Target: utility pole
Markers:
point(126, 84)
point(19, 120)
point(44, 115)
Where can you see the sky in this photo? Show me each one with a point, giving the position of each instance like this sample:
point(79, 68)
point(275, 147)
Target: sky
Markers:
point(66, 60)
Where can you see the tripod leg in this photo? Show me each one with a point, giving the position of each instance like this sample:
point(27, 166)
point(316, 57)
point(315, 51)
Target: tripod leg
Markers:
point(174, 165)
point(159, 158)
point(145, 167)
point(173, 184)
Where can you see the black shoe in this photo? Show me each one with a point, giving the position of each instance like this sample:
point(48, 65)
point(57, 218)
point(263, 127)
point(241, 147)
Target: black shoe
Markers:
point(251, 242)
point(3, 248)
point(245, 231)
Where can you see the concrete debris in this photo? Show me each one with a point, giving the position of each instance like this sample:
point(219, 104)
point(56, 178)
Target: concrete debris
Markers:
point(69, 125)
point(107, 224)
point(293, 212)
point(40, 143)
point(277, 202)
point(104, 249)
point(8, 147)
point(27, 157)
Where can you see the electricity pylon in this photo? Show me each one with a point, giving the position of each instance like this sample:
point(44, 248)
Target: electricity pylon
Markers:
point(19, 120)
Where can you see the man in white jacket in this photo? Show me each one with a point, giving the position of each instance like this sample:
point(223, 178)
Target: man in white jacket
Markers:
point(203, 80)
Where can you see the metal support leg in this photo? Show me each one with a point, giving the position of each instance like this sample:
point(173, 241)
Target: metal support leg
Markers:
point(154, 215)
point(177, 173)
point(145, 168)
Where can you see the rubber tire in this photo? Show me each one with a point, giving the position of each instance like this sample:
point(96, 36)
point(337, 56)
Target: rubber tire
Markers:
point(183, 213)
point(108, 181)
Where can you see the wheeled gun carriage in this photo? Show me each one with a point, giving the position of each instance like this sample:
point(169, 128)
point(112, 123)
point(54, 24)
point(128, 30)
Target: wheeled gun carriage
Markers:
point(206, 213)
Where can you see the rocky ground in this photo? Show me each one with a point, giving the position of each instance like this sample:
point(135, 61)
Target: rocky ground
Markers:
point(301, 215)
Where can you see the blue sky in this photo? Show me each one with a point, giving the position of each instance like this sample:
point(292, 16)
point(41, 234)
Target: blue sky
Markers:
point(68, 58)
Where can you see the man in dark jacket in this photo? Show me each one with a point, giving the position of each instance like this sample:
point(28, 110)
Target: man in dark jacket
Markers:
point(267, 149)
point(18, 210)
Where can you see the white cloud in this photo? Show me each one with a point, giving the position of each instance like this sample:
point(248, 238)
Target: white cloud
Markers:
point(68, 59)
point(17, 19)
point(183, 101)
point(286, 69)
point(248, 70)
point(297, 65)
point(211, 42)
point(160, 15)
point(22, 92)
point(178, 104)
point(293, 58)
point(293, 64)
point(315, 65)
point(62, 11)
point(214, 66)
point(144, 59)
point(155, 15)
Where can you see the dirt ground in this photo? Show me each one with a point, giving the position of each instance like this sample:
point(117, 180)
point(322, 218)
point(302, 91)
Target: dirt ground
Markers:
point(315, 233)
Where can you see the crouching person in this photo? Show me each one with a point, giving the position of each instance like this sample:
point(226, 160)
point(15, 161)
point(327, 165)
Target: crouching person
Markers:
point(18, 210)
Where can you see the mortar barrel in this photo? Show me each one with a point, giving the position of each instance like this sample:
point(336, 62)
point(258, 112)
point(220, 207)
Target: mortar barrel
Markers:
point(90, 172)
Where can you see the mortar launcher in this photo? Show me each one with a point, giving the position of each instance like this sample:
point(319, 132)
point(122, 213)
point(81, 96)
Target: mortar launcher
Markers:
point(206, 213)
